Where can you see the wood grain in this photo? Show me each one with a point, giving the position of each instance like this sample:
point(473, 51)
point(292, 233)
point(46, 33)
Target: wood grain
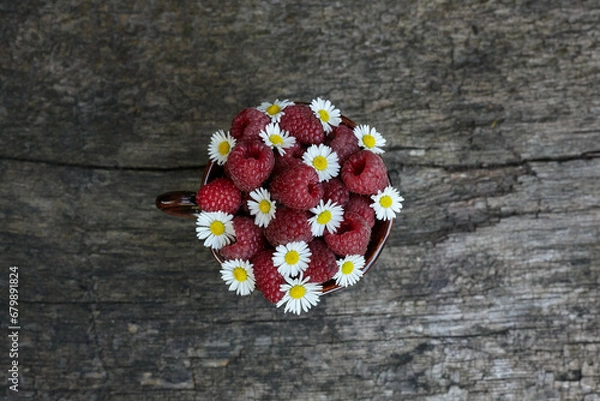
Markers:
point(489, 288)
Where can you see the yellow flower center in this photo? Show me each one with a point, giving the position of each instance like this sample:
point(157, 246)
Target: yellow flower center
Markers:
point(324, 115)
point(347, 267)
point(297, 291)
point(320, 163)
point(224, 148)
point(292, 257)
point(217, 227)
point(369, 141)
point(324, 217)
point(264, 206)
point(385, 201)
point(240, 274)
point(276, 139)
point(273, 109)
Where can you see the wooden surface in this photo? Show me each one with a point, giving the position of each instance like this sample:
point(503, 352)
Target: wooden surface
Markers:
point(489, 288)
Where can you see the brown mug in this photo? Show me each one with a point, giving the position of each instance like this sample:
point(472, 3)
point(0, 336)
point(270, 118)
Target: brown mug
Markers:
point(183, 204)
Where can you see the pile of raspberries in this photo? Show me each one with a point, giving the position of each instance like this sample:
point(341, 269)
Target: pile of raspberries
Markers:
point(267, 155)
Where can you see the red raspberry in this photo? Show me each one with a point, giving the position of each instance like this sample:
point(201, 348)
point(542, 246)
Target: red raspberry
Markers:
point(268, 279)
point(249, 164)
point(297, 187)
point(297, 150)
point(284, 162)
point(351, 238)
point(249, 239)
point(219, 195)
point(288, 225)
point(322, 266)
point(248, 124)
point(364, 173)
point(244, 206)
point(301, 123)
point(344, 142)
point(335, 190)
point(361, 204)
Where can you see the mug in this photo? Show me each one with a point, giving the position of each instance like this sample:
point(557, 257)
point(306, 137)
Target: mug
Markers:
point(183, 204)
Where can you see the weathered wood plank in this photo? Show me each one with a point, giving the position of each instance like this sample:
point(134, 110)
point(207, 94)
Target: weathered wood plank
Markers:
point(156, 319)
point(118, 83)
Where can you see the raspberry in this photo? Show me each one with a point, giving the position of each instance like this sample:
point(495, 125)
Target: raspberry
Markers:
point(335, 190)
point(249, 239)
point(248, 124)
point(284, 162)
point(249, 164)
point(364, 173)
point(297, 187)
point(268, 279)
point(322, 266)
point(288, 225)
point(300, 122)
point(361, 204)
point(219, 195)
point(344, 142)
point(351, 238)
point(244, 206)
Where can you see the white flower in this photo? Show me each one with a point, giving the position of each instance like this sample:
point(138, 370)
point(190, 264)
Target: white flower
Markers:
point(326, 113)
point(220, 146)
point(326, 215)
point(369, 138)
point(261, 207)
point(299, 295)
point(350, 270)
point(277, 138)
point(215, 228)
point(387, 203)
point(239, 275)
point(292, 258)
point(323, 159)
point(275, 109)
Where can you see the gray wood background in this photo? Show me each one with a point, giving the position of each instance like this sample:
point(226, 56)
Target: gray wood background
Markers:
point(489, 288)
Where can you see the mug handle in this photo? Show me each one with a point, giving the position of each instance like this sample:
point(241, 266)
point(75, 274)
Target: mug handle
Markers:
point(178, 203)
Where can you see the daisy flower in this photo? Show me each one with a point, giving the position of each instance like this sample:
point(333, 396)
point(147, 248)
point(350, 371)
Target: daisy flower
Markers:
point(326, 113)
point(215, 228)
point(238, 274)
point(369, 138)
point(275, 109)
point(299, 295)
point(387, 203)
point(277, 138)
point(326, 215)
point(350, 270)
point(220, 145)
point(261, 207)
point(323, 159)
point(291, 258)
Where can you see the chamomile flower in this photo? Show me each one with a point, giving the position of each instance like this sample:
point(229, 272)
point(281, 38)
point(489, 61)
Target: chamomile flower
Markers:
point(215, 228)
point(275, 109)
point(220, 145)
point(326, 216)
point(238, 274)
point(369, 138)
point(277, 138)
point(261, 207)
point(299, 295)
point(292, 258)
point(323, 159)
point(350, 270)
point(387, 203)
point(326, 113)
